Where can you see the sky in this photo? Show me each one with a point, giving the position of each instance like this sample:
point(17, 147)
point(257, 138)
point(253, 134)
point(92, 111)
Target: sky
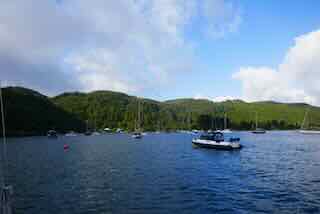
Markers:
point(164, 49)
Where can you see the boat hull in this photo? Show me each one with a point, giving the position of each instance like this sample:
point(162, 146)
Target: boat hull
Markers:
point(309, 132)
point(258, 132)
point(217, 146)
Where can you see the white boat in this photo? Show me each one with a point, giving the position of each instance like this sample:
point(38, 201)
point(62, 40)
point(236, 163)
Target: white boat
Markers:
point(138, 134)
point(258, 130)
point(71, 134)
point(309, 131)
point(225, 130)
point(107, 130)
point(96, 133)
point(215, 140)
point(303, 130)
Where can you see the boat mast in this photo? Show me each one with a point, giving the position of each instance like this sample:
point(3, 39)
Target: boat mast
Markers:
point(225, 121)
point(138, 120)
point(6, 190)
point(304, 119)
point(256, 119)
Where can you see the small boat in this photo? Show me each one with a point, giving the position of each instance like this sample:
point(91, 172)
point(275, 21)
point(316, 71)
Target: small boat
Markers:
point(66, 147)
point(305, 129)
point(137, 135)
point(226, 131)
point(215, 140)
point(71, 134)
point(309, 131)
point(96, 133)
point(52, 134)
point(88, 133)
point(107, 130)
point(259, 131)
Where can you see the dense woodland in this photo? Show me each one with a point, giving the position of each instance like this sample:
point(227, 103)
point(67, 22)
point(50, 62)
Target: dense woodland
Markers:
point(31, 113)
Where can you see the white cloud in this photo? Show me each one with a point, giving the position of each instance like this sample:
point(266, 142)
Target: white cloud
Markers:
point(126, 45)
point(222, 98)
point(295, 79)
point(214, 99)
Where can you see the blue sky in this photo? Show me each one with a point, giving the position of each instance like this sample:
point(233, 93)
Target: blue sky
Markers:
point(214, 49)
point(267, 31)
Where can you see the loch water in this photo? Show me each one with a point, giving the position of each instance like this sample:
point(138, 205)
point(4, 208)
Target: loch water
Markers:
point(277, 172)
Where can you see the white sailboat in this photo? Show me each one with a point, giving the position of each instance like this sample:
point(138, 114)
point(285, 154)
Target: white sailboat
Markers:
point(225, 129)
point(6, 190)
point(258, 130)
point(137, 133)
point(303, 130)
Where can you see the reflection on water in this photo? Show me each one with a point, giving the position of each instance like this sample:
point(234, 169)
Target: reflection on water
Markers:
point(162, 173)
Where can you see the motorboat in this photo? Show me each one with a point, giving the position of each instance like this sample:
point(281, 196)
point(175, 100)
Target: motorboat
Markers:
point(71, 134)
point(309, 131)
point(259, 131)
point(137, 135)
point(52, 134)
point(88, 133)
point(215, 140)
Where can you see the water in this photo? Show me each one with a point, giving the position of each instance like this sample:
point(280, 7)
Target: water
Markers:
point(162, 173)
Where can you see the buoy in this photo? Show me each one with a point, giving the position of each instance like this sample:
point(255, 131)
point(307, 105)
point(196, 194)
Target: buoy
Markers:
point(65, 146)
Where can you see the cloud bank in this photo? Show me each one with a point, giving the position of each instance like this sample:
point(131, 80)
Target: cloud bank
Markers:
point(296, 79)
point(54, 46)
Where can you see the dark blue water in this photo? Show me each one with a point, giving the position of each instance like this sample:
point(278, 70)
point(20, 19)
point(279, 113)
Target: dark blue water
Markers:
point(162, 173)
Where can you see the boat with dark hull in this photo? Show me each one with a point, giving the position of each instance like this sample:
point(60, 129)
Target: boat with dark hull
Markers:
point(52, 134)
point(215, 140)
point(259, 131)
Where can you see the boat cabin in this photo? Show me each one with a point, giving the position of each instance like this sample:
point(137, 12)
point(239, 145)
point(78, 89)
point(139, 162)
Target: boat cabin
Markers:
point(213, 136)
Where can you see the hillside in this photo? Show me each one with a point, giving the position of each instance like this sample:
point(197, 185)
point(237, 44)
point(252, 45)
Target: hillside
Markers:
point(28, 112)
point(113, 109)
point(31, 113)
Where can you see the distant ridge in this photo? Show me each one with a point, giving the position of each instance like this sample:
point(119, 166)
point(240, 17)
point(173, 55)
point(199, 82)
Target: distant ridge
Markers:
point(31, 113)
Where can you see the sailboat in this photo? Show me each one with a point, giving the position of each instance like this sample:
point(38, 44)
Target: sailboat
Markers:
point(88, 132)
point(137, 133)
point(6, 190)
point(258, 130)
point(304, 130)
point(225, 129)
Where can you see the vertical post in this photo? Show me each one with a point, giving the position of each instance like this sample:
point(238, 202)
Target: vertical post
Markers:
point(4, 157)
point(6, 191)
point(256, 119)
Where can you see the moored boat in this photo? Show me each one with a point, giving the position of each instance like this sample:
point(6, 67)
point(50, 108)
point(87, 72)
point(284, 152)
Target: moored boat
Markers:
point(52, 134)
point(215, 140)
point(71, 134)
point(259, 131)
point(309, 131)
point(305, 129)
point(137, 135)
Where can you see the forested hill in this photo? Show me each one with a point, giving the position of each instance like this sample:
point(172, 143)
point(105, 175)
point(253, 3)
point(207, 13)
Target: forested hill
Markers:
point(28, 112)
point(113, 109)
point(31, 113)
